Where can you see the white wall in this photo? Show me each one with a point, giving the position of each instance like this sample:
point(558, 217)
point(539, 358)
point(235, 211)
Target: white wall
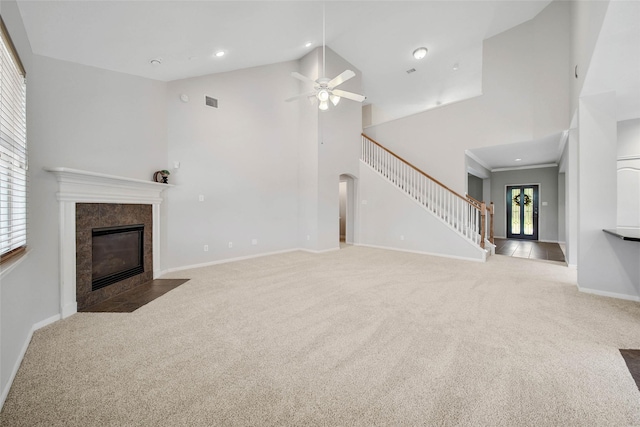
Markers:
point(607, 265)
point(571, 197)
point(547, 178)
point(79, 117)
point(629, 173)
point(526, 94)
point(562, 203)
point(390, 218)
point(586, 21)
point(329, 147)
point(242, 157)
point(338, 151)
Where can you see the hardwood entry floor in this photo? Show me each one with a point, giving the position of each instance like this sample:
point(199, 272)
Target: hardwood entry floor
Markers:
point(131, 300)
point(529, 249)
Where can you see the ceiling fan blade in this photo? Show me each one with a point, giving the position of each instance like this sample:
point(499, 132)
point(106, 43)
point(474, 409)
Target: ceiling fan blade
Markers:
point(349, 95)
point(343, 77)
point(302, 95)
point(301, 77)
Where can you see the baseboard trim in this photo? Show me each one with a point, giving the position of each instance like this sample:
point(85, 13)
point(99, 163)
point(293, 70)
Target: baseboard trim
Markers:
point(323, 251)
point(23, 351)
point(484, 255)
point(609, 294)
point(226, 260)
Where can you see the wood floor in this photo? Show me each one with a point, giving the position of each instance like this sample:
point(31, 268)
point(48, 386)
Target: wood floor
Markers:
point(632, 359)
point(131, 300)
point(529, 249)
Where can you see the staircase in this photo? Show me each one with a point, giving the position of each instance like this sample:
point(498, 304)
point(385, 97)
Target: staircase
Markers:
point(466, 216)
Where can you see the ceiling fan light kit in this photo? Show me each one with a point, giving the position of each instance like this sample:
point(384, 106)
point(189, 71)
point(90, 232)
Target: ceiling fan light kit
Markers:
point(324, 89)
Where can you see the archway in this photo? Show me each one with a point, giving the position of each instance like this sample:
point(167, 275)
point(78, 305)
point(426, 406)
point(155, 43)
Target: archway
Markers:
point(347, 209)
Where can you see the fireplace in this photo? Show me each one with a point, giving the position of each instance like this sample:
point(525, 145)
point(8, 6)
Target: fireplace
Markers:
point(117, 254)
point(114, 250)
point(77, 190)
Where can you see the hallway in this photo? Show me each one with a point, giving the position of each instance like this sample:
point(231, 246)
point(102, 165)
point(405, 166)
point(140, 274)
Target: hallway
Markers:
point(529, 249)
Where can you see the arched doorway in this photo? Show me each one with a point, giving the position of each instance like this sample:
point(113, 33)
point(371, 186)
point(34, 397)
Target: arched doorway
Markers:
point(347, 210)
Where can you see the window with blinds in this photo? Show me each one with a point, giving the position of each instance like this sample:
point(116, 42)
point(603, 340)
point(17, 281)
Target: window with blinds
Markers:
point(13, 150)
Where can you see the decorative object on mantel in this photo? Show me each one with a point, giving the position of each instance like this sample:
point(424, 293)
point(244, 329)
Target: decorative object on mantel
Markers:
point(78, 186)
point(162, 176)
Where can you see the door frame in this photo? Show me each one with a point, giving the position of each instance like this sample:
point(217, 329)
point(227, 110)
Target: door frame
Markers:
point(536, 212)
point(351, 233)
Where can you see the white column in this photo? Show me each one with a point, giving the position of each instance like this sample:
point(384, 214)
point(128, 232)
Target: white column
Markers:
point(606, 265)
point(68, 304)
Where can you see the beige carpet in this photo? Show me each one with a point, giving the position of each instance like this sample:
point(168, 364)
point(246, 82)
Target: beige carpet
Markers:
point(353, 337)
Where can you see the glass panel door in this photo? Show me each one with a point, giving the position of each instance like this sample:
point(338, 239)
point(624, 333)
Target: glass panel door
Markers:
point(522, 212)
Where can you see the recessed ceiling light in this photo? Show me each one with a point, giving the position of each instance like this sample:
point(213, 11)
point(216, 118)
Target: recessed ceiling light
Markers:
point(420, 53)
point(155, 62)
point(307, 44)
point(518, 160)
point(220, 53)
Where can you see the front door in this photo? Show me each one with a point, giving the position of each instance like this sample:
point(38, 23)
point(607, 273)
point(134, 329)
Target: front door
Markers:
point(522, 212)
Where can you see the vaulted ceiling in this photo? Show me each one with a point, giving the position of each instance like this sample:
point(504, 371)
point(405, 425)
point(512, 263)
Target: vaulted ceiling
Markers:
point(377, 37)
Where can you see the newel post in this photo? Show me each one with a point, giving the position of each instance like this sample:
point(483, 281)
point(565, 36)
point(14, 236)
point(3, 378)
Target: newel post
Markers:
point(483, 223)
point(491, 223)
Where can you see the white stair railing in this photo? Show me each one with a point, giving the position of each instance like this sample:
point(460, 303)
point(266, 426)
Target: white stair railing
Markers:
point(465, 216)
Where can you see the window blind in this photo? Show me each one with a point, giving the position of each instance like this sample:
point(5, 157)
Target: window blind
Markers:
point(13, 150)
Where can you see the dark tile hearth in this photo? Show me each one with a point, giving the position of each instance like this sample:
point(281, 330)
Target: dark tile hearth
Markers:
point(632, 359)
point(531, 249)
point(133, 299)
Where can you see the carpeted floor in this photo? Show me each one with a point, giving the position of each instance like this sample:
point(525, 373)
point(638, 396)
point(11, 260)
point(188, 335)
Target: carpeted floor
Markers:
point(358, 336)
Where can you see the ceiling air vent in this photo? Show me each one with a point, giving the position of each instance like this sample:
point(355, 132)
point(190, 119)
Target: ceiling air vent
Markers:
point(411, 70)
point(211, 102)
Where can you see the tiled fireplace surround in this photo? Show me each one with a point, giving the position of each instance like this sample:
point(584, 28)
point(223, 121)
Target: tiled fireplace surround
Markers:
point(98, 215)
point(108, 200)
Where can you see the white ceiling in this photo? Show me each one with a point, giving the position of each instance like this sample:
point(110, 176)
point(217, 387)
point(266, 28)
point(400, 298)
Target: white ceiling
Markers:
point(615, 66)
point(544, 151)
point(377, 37)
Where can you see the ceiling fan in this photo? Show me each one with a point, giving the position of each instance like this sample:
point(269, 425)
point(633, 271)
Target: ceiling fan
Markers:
point(324, 89)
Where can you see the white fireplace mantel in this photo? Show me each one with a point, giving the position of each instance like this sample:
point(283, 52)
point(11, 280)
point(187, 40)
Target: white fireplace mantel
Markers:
point(78, 186)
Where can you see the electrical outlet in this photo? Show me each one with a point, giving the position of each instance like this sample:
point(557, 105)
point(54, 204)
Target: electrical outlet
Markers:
point(308, 237)
point(201, 197)
point(206, 248)
point(254, 241)
point(230, 244)
point(402, 237)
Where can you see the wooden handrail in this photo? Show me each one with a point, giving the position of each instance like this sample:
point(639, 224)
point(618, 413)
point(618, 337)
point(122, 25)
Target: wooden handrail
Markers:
point(417, 169)
point(474, 201)
point(480, 221)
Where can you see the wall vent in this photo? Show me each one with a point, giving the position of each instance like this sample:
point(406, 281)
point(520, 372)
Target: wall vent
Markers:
point(211, 102)
point(412, 70)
